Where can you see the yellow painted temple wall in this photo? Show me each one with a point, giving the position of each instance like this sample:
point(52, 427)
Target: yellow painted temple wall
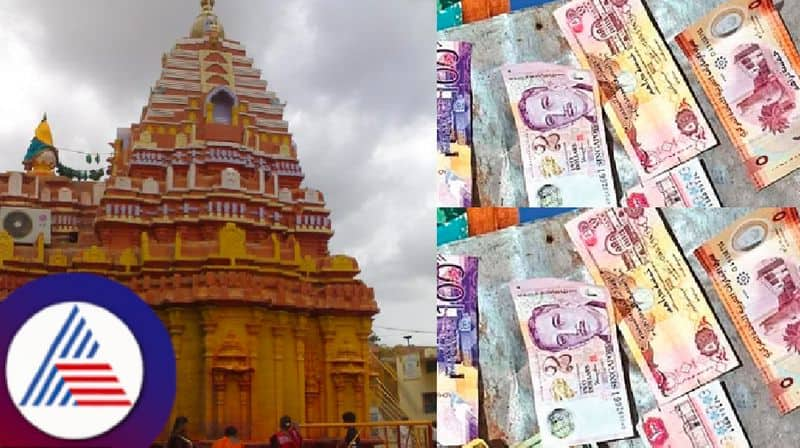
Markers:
point(247, 366)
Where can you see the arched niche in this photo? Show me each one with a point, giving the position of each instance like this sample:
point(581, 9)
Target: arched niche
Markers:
point(223, 101)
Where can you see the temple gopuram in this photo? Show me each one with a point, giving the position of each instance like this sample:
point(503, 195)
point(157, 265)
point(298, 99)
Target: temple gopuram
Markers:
point(203, 213)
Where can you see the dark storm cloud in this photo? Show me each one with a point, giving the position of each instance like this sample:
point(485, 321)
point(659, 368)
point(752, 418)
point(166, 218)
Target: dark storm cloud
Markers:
point(354, 74)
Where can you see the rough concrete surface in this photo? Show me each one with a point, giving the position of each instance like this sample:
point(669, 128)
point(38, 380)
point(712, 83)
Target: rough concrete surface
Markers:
point(543, 249)
point(533, 35)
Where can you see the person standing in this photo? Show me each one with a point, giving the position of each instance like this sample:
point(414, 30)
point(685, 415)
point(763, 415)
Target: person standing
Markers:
point(178, 438)
point(352, 438)
point(287, 436)
point(230, 440)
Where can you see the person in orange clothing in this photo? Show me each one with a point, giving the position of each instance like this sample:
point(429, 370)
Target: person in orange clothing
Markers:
point(231, 439)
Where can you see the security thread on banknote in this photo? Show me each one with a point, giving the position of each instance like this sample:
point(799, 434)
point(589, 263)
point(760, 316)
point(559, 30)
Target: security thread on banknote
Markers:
point(753, 265)
point(453, 124)
point(561, 135)
point(574, 359)
point(662, 313)
point(644, 93)
point(457, 354)
point(748, 66)
point(685, 186)
point(703, 418)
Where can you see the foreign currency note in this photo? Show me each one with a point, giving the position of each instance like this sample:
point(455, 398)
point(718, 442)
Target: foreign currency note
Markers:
point(644, 93)
point(703, 418)
point(753, 265)
point(748, 65)
point(686, 185)
point(561, 135)
point(457, 342)
point(536, 442)
point(672, 332)
point(453, 124)
point(573, 355)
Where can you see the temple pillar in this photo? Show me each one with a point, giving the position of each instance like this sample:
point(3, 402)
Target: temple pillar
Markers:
point(191, 175)
point(219, 402)
point(170, 178)
point(245, 384)
point(260, 413)
point(278, 333)
point(261, 181)
point(300, 330)
point(364, 329)
point(209, 326)
point(331, 411)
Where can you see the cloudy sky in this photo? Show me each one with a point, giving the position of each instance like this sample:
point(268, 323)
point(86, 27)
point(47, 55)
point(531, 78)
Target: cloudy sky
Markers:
point(355, 75)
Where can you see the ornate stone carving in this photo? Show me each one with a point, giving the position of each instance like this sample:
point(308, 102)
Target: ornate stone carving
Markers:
point(64, 194)
point(94, 254)
point(15, 184)
point(122, 183)
point(150, 186)
point(231, 179)
point(6, 246)
point(58, 259)
point(232, 242)
point(128, 259)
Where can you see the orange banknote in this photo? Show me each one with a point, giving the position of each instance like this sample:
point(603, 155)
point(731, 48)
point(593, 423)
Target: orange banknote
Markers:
point(661, 310)
point(748, 66)
point(754, 267)
point(645, 96)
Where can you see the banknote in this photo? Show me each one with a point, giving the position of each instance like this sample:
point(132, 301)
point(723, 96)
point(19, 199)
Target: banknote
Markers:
point(561, 135)
point(536, 442)
point(702, 418)
point(662, 314)
point(686, 186)
point(457, 356)
point(573, 354)
point(748, 66)
point(753, 265)
point(453, 124)
point(644, 93)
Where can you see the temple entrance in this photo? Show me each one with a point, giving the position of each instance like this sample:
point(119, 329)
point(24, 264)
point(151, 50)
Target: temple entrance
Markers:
point(232, 401)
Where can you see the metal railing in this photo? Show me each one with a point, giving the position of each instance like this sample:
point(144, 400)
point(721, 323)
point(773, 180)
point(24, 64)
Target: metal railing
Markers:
point(389, 434)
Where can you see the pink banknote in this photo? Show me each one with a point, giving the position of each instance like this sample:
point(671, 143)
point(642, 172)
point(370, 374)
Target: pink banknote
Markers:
point(748, 65)
point(703, 418)
point(755, 267)
point(644, 93)
point(663, 315)
point(573, 355)
point(561, 135)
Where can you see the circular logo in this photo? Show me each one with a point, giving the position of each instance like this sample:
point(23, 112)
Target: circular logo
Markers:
point(74, 370)
point(86, 363)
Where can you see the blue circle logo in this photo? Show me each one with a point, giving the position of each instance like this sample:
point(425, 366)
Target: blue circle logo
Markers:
point(86, 362)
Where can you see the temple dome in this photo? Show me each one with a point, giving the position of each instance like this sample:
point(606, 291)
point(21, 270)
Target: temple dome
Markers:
point(206, 20)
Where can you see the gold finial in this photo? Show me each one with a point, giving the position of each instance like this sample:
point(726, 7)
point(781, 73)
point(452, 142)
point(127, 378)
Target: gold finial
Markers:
point(207, 22)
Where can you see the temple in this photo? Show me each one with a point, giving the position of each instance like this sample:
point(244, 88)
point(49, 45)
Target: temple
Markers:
point(204, 214)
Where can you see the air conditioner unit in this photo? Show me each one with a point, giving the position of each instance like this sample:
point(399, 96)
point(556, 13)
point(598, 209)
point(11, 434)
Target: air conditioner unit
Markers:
point(25, 224)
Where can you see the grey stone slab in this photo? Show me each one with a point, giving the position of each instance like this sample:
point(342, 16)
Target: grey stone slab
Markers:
point(543, 249)
point(533, 35)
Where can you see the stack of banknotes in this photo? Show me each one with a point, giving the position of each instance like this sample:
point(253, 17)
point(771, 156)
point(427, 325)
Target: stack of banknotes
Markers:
point(742, 55)
point(642, 287)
